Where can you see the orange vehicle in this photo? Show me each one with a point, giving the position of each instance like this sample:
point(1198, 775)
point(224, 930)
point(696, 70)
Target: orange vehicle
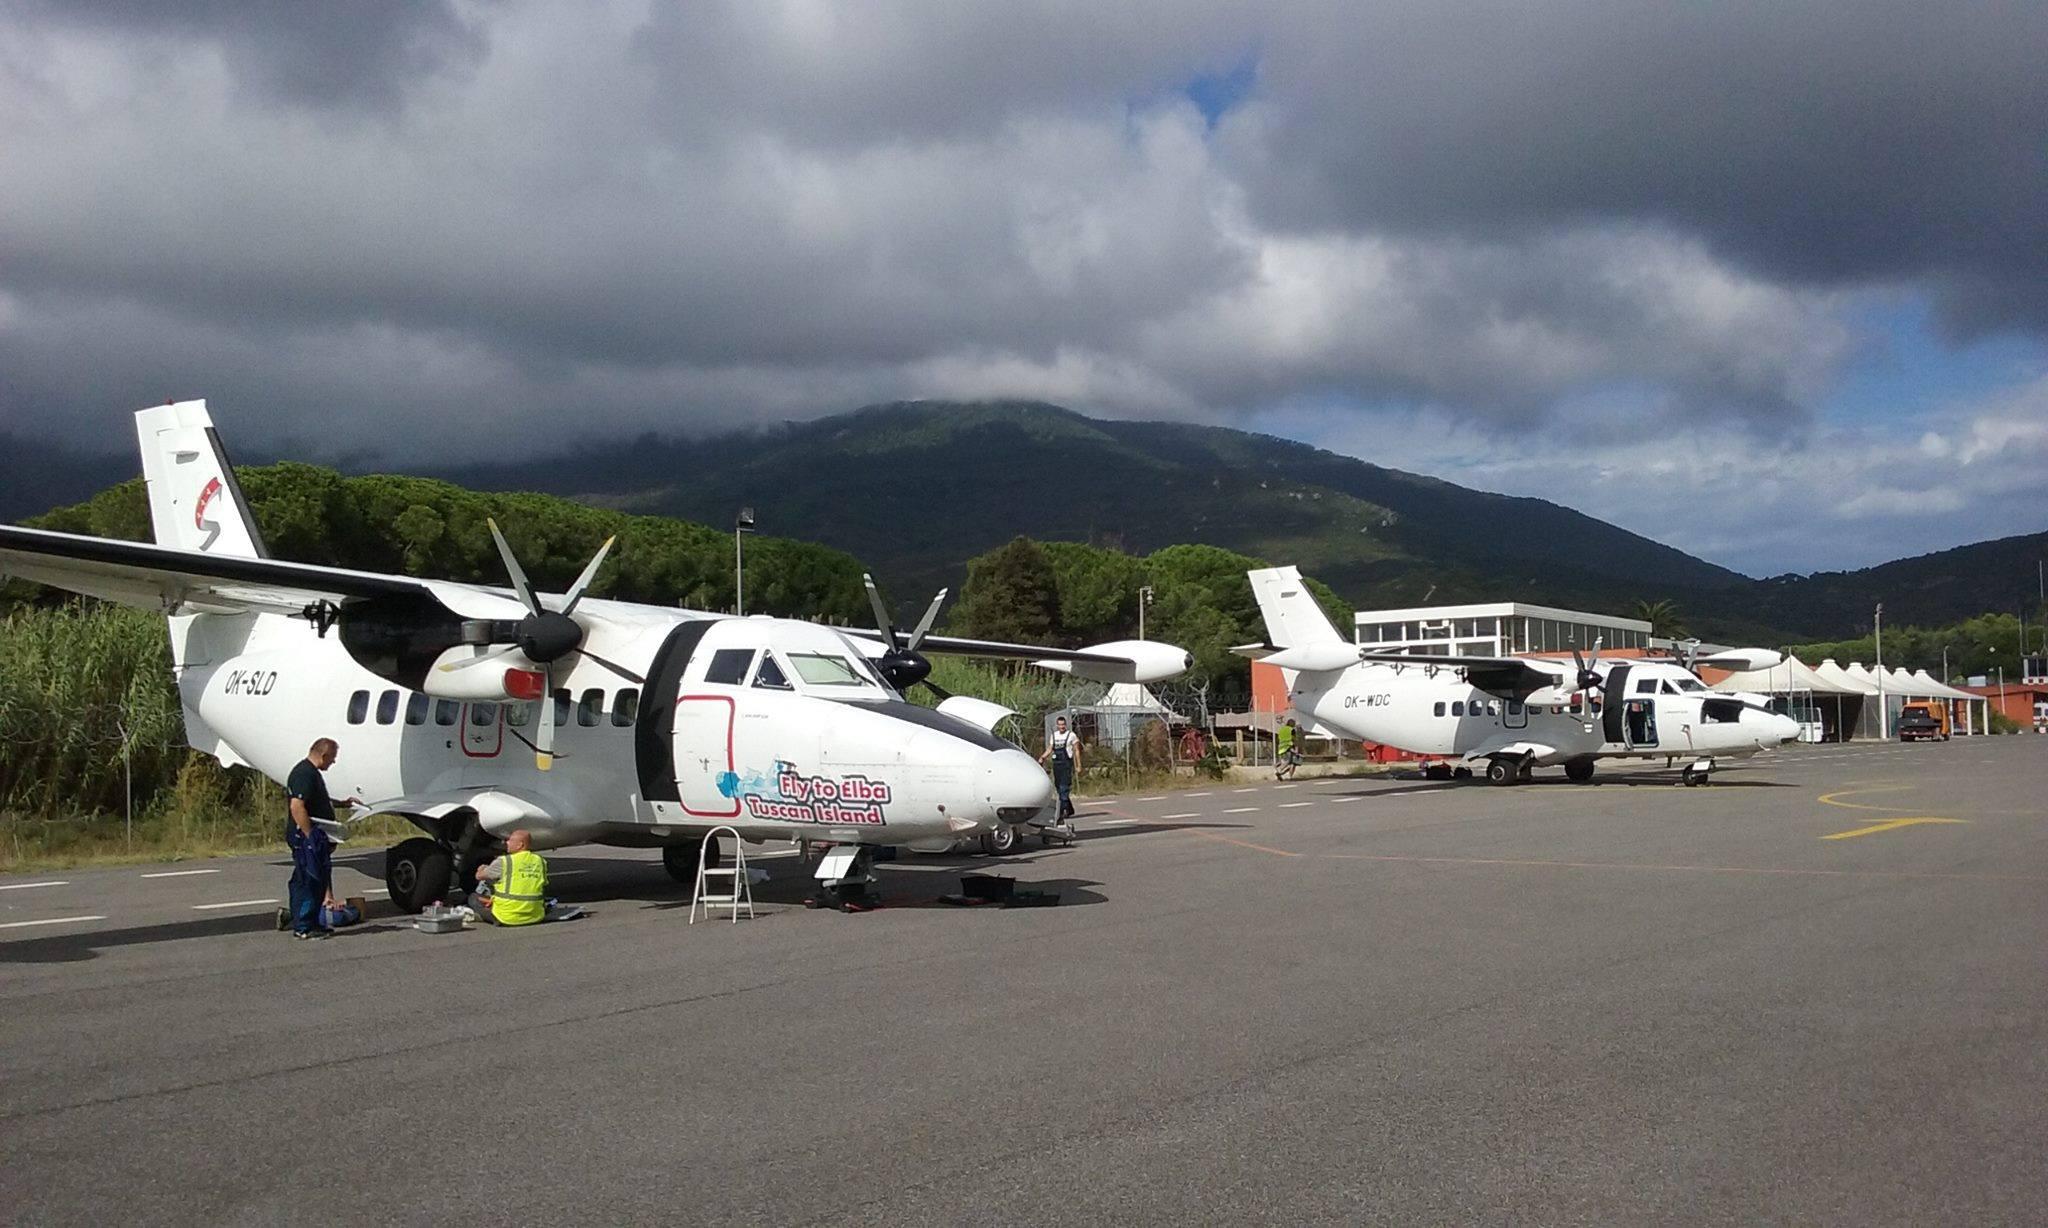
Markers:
point(1923, 719)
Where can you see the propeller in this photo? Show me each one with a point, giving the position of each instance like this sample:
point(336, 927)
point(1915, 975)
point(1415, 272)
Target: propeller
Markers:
point(903, 665)
point(1589, 679)
point(544, 637)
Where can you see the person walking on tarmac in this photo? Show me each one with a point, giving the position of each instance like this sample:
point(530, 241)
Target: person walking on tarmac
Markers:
point(1064, 749)
point(1287, 749)
point(519, 883)
point(312, 849)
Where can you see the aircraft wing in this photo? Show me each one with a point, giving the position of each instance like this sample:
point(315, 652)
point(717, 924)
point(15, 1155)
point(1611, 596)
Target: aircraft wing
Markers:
point(1123, 661)
point(1514, 678)
point(172, 580)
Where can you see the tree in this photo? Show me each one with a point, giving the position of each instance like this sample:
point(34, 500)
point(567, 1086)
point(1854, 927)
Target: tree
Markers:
point(1664, 619)
point(1012, 593)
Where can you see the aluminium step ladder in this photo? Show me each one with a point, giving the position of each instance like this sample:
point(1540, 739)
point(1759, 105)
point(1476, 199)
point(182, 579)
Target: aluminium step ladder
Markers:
point(738, 891)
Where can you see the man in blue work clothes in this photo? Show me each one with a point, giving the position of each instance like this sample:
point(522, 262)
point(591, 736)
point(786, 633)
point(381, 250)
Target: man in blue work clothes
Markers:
point(312, 849)
point(1064, 749)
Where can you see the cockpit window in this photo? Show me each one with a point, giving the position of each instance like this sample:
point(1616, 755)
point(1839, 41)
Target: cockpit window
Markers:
point(770, 675)
point(1669, 687)
point(816, 669)
point(729, 666)
point(1647, 686)
point(1691, 684)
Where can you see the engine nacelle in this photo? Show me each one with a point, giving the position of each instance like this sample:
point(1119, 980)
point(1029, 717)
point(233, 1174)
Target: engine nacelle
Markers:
point(506, 678)
point(1143, 661)
point(1743, 660)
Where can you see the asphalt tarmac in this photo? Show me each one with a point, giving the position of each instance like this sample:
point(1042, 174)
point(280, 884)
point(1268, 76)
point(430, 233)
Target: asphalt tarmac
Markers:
point(1811, 991)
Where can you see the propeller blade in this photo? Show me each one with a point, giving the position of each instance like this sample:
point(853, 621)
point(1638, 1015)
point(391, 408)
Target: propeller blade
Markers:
point(589, 574)
point(882, 623)
point(937, 690)
point(520, 584)
point(924, 625)
point(616, 668)
point(544, 727)
point(482, 658)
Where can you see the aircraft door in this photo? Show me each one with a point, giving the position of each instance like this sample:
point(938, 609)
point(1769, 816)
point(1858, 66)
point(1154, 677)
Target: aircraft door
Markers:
point(1611, 705)
point(1640, 722)
point(1515, 715)
point(703, 756)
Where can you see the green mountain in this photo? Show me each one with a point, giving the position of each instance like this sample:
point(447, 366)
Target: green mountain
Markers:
point(915, 489)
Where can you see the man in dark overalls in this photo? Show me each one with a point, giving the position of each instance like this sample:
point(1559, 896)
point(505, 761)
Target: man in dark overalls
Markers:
point(312, 849)
point(1063, 748)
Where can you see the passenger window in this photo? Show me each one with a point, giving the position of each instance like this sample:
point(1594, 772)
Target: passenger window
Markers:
point(729, 666)
point(1457, 707)
point(358, 707)
point(627, 708)
point(447, 711)
point(770, 674)
point(1492, 707)
point(590, 709)
point(483, 715)
point(1439, 707)
point(387, 707)
point(416, 708)
point(561, 708)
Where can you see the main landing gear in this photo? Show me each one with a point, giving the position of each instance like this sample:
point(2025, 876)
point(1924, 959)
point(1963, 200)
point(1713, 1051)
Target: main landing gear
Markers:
point(1578, 771)
point(418, 872)
point(1696, 773)
point(680, 860)
point(1507, 770)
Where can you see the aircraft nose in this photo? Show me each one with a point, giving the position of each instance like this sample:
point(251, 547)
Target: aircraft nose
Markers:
point(1017, 788)
point(1782, 728)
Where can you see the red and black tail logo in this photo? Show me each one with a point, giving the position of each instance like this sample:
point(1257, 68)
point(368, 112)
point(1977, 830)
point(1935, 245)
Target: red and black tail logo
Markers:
point(199, 519)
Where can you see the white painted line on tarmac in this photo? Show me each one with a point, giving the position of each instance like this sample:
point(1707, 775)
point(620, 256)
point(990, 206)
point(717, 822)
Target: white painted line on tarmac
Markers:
point(565, 873)
point(1286, 786)
point(231, 904)
point(1244, 790)
point(750, 857)
point(55, 882)
point(1293, 805)
point(179, 873)
point(1192, 814)
point(1198, 795)
point(1118, 822)
point(1242, 810)
point(1158, 798)
point(15, 925)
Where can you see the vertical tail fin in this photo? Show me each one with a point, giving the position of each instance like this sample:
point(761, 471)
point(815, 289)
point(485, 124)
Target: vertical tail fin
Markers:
point(194, 500)
point(1292, 616)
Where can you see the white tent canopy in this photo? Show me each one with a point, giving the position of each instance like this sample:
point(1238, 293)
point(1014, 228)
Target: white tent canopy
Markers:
point(1131, 695)
point(1940, 690)
point(1845, 681)
point(1789, 677)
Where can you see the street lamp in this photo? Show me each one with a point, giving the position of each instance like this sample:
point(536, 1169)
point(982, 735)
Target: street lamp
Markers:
point(743, 523)
point(1144, 599)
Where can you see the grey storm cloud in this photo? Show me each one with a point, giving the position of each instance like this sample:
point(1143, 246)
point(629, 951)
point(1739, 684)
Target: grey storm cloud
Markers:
point(442, 217)
point(1824, 143)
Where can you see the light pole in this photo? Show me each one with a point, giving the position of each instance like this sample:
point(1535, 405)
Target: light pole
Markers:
point(743, 523)
point(1944, 665)
point(1884, 722)
point(1144, 599)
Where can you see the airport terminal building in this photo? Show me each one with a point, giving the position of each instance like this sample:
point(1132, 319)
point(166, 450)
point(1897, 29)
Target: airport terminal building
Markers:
point(1497, 628)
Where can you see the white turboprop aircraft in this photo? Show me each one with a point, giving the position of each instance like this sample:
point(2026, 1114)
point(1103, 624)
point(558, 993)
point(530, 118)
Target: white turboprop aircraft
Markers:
point(664, 723)
point(1510, 714)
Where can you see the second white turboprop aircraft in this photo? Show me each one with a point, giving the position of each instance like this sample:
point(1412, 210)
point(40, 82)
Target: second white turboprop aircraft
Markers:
point(1509, 715)
point(473, 711)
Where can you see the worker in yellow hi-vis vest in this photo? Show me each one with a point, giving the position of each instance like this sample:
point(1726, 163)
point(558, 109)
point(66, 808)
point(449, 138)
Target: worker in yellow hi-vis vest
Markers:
point(519, 883)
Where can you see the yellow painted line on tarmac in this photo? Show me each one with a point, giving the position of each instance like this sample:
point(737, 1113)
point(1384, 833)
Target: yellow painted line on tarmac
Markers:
point(1243, 844)
point(1829, 799)
point(1887, 825)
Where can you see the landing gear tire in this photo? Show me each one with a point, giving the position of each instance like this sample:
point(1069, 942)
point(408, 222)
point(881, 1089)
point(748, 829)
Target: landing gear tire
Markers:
point(1579, 771)
point(1690, 778)
point(1004, 840)
point(680, 860)
point(1502, 772)
point(417, 872)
